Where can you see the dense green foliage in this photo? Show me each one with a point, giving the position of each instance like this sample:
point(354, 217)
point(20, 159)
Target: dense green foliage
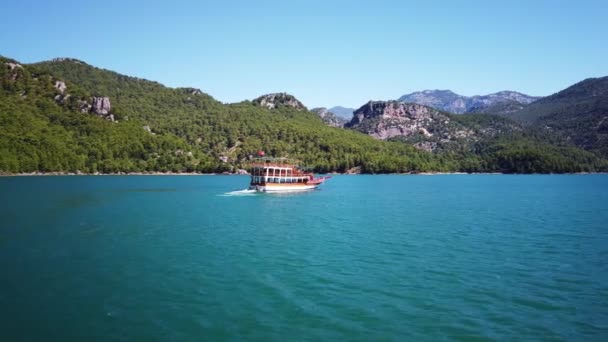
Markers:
point(501, 145)
point(182, 123)
point(38, 134)
point(190, 131)
point(522, 154)
point(578, 113)
point(503, 107)
point(517, 149)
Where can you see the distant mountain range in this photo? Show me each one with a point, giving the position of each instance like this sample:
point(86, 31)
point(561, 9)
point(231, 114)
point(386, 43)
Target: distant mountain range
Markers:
point(502, 102)
point(577, 115)
point(342, 112)
point(447, 100)
point(329, 117)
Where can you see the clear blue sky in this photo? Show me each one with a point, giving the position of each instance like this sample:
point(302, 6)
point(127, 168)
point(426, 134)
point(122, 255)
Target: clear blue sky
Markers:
point(324, 52)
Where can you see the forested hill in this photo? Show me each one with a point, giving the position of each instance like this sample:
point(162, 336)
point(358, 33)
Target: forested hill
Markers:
point(578, 113)
point(163, 129)
point(66, 115)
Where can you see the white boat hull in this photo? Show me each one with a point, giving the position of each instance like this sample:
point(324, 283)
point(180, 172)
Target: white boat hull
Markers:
point(283, 187)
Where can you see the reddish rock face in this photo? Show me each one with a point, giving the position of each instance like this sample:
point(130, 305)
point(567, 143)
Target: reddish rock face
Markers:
point(391, 109)
point(425, 126)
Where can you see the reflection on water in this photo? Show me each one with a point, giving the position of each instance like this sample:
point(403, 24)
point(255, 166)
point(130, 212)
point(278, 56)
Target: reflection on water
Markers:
point(79, 200)
point(248, 192)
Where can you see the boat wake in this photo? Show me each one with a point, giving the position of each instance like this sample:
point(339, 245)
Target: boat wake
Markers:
point(244, 192)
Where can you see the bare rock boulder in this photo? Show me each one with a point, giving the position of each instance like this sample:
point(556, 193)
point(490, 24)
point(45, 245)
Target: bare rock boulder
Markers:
point(101, 105)
point(60, 86)
point(276, 100)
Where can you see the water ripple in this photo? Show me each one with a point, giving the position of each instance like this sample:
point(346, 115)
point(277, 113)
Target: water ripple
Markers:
point(367, 258)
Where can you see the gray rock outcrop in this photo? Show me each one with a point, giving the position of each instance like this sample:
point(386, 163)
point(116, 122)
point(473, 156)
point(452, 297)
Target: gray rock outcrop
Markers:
point(275, 100)
point(60, 86)
point(101, 105)
point(191, 91)
point(84, 106)
point(12, 65)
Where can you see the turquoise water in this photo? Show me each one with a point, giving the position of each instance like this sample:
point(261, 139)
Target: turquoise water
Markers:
point(455, 257)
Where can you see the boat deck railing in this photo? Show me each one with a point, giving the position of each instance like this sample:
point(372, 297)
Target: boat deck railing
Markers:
point(270, 162)
point(274, 162)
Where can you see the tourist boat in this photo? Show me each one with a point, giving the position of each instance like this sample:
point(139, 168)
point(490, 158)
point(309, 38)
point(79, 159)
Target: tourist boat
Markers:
point(281, 175)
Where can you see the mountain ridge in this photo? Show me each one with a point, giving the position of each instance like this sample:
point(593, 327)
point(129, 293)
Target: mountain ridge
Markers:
point(578, 113)
point(342, 112)
point(449, 101)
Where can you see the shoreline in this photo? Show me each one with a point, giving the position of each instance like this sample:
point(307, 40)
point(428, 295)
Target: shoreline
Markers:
point(34, 174)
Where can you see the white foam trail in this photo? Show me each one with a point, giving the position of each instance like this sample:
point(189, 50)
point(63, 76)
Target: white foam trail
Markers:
point(244, 192)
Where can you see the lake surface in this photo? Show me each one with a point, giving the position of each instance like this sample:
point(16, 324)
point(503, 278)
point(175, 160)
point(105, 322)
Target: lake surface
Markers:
point(454, 257)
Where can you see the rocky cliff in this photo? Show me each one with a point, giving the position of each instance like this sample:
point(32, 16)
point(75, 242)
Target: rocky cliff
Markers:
point(422, 125)
point(425, 127)
point(276, 100)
